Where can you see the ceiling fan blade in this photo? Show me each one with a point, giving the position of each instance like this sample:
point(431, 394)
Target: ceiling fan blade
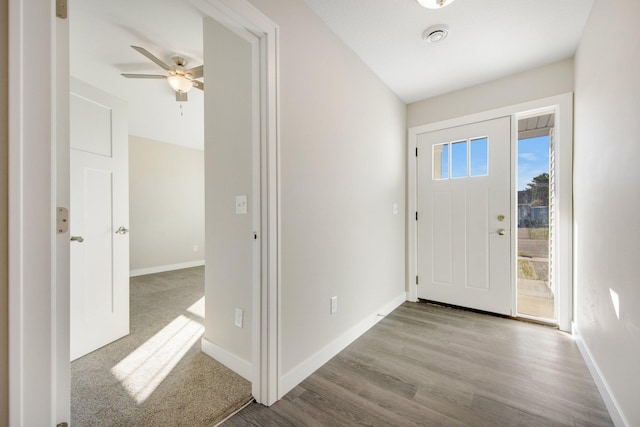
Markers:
point(181, 96)
point(149, 55)
point(198, 84)
point(196, 72)
point(143, 76)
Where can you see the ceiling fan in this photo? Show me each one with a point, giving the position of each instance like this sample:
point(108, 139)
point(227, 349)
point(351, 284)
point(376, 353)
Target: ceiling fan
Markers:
point(180, 79)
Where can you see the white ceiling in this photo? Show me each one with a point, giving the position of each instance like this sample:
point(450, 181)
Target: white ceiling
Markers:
point(488, 39)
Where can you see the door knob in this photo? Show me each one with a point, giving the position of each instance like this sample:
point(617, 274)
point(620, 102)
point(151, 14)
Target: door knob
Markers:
point(122, 230)
point(501, 231)
point(78, 239)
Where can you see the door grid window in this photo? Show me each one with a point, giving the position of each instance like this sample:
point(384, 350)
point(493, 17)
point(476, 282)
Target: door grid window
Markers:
point(469, 158)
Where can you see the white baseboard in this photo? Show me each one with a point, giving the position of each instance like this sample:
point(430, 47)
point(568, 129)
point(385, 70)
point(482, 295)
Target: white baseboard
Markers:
point(228, 359)
point(294, 377)
point(610, 401)
point(163, 268)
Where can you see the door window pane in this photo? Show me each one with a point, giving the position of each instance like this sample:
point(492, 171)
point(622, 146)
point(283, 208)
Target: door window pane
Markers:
point(459, 159)
point(441, 161)
point(479, 156)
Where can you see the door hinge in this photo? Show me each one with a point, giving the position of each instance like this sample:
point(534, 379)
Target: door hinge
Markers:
point(62, 425)
point(61, 9)
point(416, 215)
point(62, 220)
point(416, 280)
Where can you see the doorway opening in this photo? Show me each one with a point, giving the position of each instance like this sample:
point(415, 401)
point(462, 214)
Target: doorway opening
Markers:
point(536, 291)
point(40, 291)
point(144, 376)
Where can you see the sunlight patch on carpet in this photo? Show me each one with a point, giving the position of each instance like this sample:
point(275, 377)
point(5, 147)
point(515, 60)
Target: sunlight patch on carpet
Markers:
point(142, 371)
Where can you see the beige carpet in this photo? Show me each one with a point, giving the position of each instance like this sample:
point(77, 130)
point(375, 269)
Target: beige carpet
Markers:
point(157, 376)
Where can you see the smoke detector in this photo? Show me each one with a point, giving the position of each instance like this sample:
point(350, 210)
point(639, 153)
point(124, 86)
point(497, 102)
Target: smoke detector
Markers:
point(434, 4)
point(435, 33)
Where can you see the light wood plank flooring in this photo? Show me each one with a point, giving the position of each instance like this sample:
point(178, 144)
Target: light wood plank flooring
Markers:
point(435, 366)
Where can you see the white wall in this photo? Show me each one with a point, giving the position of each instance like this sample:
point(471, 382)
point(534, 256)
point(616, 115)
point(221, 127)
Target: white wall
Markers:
point(543, 82)
point(228, 152)
point(606, 197)
point(342, 168)
point(166, 206)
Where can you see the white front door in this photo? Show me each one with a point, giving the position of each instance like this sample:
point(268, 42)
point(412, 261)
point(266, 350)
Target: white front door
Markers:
point(99, 217)
point(463, 220)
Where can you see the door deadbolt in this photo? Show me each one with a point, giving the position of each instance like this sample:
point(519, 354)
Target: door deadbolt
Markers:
point(500, 217)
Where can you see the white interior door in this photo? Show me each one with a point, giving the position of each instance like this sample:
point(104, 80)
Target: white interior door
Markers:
point(464, 209)
point(99, 217)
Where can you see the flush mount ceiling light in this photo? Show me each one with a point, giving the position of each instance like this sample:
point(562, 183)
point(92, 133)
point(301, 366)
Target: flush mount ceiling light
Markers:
point(435, 33)
point(434, 4)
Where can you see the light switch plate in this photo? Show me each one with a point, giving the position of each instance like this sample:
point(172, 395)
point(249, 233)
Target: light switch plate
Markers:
point(241, 204)
point(239, 315)
point(334, 304)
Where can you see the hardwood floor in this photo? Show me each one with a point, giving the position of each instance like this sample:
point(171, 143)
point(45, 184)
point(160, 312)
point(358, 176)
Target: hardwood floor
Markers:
point(435, 366)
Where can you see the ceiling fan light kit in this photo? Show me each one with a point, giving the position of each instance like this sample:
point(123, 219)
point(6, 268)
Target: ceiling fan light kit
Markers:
point(434, 4)
point(180, 83)
point(180, 80)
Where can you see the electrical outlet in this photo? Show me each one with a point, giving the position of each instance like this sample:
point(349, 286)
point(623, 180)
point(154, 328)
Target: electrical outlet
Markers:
point(394, 209)
point(239, 314)
point(334, 304)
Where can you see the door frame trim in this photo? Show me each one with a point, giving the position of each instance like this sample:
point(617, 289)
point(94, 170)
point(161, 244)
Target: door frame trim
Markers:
point(563, 105)
point(35, 292)
point(250, 23)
